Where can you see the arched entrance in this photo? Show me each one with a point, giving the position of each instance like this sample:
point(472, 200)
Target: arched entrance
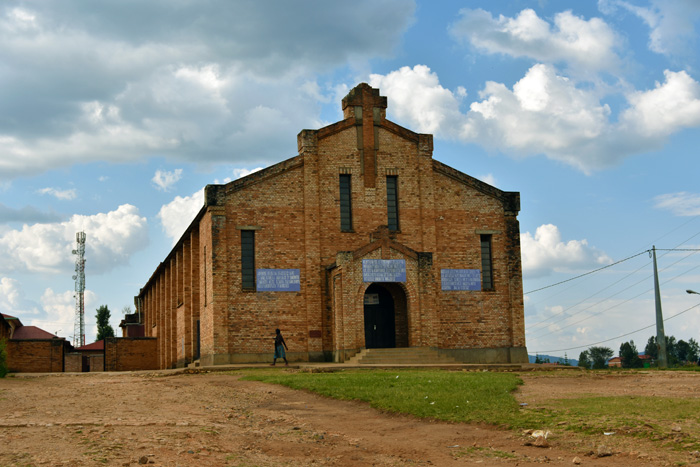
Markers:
point(385, 316)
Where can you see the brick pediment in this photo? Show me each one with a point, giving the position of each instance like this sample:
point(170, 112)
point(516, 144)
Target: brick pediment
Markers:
point(385, 242)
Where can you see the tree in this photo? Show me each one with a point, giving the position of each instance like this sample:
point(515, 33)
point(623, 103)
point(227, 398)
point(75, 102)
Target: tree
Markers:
point(676, 351)
point(686, 352)
point(630, 356)
point(694, 352)
point(104, 329)
point(584, 360)
point(538, 359)
point(566, 360)
point(651, 349)
point(672, 351)
point(682, 348)
point(599, 357)
point(126, 310)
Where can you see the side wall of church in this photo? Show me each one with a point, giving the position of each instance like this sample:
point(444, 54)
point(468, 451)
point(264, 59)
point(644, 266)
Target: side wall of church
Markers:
point(471, 319)
point(170, 302)
point(273, 208)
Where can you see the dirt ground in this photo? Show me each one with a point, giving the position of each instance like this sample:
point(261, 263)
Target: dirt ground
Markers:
point(215, 419)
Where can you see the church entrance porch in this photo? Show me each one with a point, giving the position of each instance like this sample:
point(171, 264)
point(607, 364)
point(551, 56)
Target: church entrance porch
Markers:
point(385, 316)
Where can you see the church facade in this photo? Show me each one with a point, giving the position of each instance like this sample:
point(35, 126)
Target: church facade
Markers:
point(362, 240)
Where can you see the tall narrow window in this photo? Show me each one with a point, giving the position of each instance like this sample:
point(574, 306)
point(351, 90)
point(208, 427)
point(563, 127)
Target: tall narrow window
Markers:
point(345, 203)
point(248, 259)
point(486, 263)
point(392, 202)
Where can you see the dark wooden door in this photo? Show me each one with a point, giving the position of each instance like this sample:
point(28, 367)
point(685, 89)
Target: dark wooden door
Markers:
point(380, 331)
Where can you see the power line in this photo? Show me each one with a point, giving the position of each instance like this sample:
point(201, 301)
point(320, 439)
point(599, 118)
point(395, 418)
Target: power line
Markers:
point(623, 302)
point(587, 273)
point(614, 264)
point(598, 313)
point(623, 335)
point(606, 267)
point(676, 229)
point(590, 296)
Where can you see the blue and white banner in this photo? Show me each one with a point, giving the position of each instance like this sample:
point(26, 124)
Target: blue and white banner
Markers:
point(460, 279)
point(277, 280)
point(384, 270)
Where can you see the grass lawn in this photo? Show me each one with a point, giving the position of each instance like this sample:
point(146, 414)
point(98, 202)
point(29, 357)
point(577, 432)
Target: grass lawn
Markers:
point(487, 397)
point(453, 396)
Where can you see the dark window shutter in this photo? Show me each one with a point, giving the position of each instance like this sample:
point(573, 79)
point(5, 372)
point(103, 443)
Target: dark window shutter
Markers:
point(486, 263)
point(345, 203)
point(392, 202)
point(248, 259)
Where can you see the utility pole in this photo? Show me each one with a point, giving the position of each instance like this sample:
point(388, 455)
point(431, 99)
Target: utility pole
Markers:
point(662, 361)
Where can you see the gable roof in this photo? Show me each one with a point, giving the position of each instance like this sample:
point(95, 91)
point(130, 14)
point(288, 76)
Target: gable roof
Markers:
point(17, 322)
point(215, 193)
point(99, 345)
point(32, 332)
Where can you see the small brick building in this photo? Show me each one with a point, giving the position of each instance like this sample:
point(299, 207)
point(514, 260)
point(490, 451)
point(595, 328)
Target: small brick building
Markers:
point(31, 349)
point(362, 240)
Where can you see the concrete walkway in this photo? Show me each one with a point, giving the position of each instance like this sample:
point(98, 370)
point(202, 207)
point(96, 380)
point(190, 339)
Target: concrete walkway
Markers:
point(323, 367)
point(328, 367)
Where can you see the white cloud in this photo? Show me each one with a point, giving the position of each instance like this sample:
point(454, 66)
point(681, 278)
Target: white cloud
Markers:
point(488, 178)
point(546, 252)
point(545, 113)
point(164, 180)
point(13, 301)
point(584, 44)
point(671, 24)
point(418, 98)
point(177, 215)
point(59, 314)
point(201, 82)
point(680, 204)
point(59, 194)
point(55, 313)
point(60, 307)
point(669, 107)
point(240, 173)
point(111, 240)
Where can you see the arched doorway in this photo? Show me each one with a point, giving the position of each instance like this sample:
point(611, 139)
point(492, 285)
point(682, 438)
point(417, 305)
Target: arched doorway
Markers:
point(385, 316)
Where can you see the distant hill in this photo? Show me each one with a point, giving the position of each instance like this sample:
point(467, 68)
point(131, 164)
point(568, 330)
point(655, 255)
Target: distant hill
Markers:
point(552, 359)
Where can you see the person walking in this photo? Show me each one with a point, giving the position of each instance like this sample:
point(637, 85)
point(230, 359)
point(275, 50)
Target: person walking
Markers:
point(280, 346)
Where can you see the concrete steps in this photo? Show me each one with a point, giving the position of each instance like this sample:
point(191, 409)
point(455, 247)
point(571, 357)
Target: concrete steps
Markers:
point(400, 356)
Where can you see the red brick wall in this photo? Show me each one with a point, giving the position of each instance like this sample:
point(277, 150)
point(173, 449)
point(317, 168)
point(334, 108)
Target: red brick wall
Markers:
point(73, 363)
point(130, 354)
point(248, 318)
point(293, 207)
point(97, 363)
point(469, 319)
point(35, 356)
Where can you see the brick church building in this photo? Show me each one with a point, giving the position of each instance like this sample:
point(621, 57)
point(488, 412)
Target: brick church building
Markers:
point(362, 240)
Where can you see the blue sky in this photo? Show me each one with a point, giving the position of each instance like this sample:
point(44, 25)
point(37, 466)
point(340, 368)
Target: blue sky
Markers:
point(115, 114)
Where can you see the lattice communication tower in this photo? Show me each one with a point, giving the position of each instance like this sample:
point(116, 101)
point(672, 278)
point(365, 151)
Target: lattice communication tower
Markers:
point(79, 278)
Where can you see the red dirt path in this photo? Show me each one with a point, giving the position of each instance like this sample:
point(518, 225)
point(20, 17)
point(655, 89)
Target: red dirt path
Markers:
point(215, 419)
